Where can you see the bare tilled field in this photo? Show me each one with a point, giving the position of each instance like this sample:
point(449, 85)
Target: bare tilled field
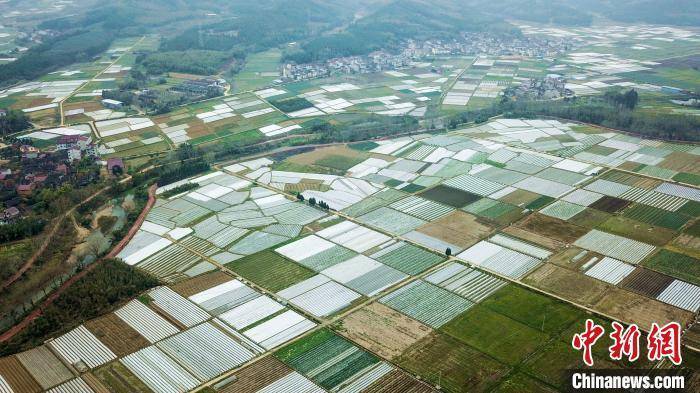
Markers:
point(121, 338)
point(201, 283)
point(382, 330)
point(256, 376)
point(552, 228)
point(45, 367)
point(532, 237)
point(567, 284)
point(17, 376)
point(458, 228)
point(634, 308)
point(398, 381)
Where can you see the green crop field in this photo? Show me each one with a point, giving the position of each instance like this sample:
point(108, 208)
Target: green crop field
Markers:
point(270, 270)
point(675, 264)
point(257, 71)
point(533, 309)
point(483, 329)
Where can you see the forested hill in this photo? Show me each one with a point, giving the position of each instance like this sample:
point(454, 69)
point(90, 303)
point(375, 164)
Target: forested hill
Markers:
point(395, 22)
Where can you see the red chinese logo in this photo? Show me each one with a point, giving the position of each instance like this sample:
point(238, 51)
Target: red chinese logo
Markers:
point(662, 342)
point(584, 341)
point(625, 342)
point(665, 342)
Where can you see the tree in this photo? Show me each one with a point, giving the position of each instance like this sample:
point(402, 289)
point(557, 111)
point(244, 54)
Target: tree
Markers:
point(312, 201)
point(448, 251)
point(117, 170)
point(300, 197)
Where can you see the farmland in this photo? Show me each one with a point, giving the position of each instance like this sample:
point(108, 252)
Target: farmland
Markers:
point(332, 215)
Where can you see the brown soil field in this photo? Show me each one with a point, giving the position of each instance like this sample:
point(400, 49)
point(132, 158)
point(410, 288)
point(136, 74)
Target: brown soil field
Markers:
point(531, 237)
point(95, 383)
point(589, 218)
point(552, 227)
point(631, 180)
point(439, 358)
point(398, 381)
point(564, 258)
point(610, 204)
point(458, 228)
point(382, 330)
point(309, 158)
point(121, 338)
point(520, 197)
point(449, 196)
point(17, 376)
point(201, 283)
point(647, 282)
point(257, 375)
point(686, 244)
point(567, 284)
point(45, 367)
point(118, 379)
point(635, 308)
point(681, 162)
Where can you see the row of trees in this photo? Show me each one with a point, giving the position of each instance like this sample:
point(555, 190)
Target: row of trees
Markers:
point(22, 229)
point(616, 110)
point(13, 121)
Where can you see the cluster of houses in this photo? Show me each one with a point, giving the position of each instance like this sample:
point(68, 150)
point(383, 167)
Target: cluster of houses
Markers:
point(39, 169)
point(470, 44)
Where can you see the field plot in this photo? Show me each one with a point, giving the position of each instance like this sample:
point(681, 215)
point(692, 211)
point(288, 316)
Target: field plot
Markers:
point(270, 270)
point(330, 361)
point(483, 329)
point(259, 71)
point(382, 330)
point(439, 358)
point(364, 275)
point(353, 236)
point(158, 371)
point(118, 379)
point(427, 303)
point(497, 258)
point(682, 294)
point(675, 264)
point(250, 312)
point(465, 281)
point(75, 385)
point(407, 258)
point(82, 348)
point(177, 307)
point(398, 381)
point(15, 378)
point(256, 376)
point(205, 351)
point(610, 270)
point(449, 196)
point(458, 228)
point(319, 295)
point(223, 297)
point(146, 321)
point(615, 246)
point(279, 329)
point(391, 221)
point(118, 336)
point(200, 283)
point(44, 366)
point(566, 283)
